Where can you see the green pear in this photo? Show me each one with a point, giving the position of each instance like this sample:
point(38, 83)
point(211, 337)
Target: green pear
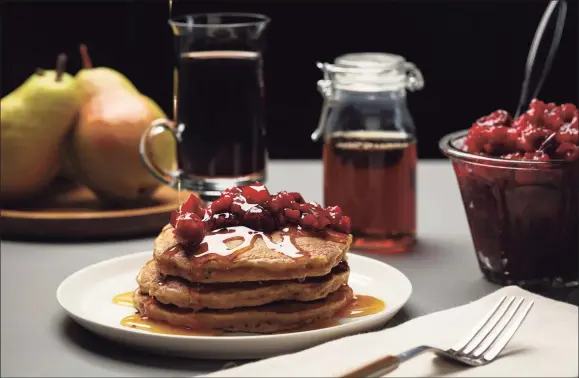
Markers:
point(35, 118)
point(103, 149)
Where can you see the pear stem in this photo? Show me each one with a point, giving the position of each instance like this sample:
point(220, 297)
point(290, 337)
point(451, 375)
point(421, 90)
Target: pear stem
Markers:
point(60, 66)
point(86, 62)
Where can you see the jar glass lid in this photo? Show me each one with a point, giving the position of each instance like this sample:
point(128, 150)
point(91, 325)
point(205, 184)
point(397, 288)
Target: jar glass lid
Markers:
point(368, 72)
point(371, 61)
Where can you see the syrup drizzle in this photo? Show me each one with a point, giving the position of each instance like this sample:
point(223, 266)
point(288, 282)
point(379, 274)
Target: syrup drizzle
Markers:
point(227, 243)
point(179, 194)
point(217, 242)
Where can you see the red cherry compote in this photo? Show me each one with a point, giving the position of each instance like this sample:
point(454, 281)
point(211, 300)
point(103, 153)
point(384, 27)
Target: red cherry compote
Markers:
point(254, 207)
point(524, 216)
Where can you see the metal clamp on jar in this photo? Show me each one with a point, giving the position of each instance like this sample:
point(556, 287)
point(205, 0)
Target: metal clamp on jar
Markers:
point(370, 147)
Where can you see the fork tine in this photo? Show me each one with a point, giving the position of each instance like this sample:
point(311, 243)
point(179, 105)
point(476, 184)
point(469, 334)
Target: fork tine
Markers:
point(498, 328)
point(463, 343)
point(508, 333)
point(479, 337)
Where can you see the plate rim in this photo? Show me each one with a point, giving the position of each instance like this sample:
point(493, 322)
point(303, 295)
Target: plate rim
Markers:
point(240, 338)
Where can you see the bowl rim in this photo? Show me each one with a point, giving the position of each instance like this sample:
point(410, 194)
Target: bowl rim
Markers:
point(446, 146)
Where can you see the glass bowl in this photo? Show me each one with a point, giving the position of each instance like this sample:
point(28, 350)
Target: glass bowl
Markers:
point(523, 216)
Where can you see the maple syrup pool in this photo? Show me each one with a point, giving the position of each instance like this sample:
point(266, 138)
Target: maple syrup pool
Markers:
point(361, 305)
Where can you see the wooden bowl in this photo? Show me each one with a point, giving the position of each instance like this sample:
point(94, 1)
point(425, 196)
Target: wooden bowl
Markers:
point(71, 212)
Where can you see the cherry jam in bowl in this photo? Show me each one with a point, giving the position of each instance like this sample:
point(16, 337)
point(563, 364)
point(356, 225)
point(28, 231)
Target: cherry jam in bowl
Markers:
point(520, 190)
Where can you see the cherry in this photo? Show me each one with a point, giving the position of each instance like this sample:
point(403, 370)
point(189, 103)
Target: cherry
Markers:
point(292, 214)
point(535, 115)
point(536, 156)
point(491, 134)
point(335, 212)
point(284, 199)
point(522, 122)
point(568, 111)
point(232, 192)
point(256, 193)
point(496, 118)
point(259, 219)
point(537, 105)
point(193, 205)
point(532, 138)
point(344, 225)
point(317, 223)
point(496, 138)
point(222, 204)
point(511, 140)
point(476, 139)
point(238, 204)
point(568, 133)
point(567, 151)
point(189, 229)
point(222, 220)
point(553, 121)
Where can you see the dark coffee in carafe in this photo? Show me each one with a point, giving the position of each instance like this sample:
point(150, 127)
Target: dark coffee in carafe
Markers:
point(221, 105)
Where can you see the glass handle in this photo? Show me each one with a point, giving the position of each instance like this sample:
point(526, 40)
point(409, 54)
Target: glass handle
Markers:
point(414, 79)
point(325, 88)
point(167, 177)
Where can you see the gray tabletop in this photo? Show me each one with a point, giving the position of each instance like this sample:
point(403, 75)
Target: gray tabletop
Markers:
point(38, 339)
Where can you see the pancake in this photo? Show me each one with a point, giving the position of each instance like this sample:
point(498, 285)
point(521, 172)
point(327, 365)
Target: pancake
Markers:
point(269, 318)
point(182, 293)
point(238, 254)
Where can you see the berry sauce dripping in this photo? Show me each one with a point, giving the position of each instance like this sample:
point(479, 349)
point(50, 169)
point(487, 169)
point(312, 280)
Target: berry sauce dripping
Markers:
point(251, 210)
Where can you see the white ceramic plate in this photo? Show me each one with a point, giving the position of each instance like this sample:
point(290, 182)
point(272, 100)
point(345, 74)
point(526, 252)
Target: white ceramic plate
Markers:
point(87, 296)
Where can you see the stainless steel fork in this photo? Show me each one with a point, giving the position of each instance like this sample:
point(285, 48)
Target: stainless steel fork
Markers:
point(479, 347)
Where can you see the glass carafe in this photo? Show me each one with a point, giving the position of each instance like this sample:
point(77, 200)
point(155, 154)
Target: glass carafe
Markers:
point(220, 124)
point(370, 147)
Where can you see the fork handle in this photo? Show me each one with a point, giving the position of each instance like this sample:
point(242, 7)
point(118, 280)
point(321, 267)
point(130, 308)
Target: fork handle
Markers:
point(386, 364)
point(377, 368)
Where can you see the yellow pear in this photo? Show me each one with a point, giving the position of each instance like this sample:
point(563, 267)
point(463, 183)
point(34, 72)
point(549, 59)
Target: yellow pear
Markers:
point(35, 118)
point(103, 149)
point(94, 80)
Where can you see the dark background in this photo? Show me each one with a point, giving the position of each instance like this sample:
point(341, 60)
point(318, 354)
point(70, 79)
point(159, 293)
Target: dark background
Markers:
point(472, 53)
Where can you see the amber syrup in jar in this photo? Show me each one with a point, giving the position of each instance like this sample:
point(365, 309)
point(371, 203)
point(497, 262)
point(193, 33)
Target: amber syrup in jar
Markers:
point(369, 152)
point(371, 175)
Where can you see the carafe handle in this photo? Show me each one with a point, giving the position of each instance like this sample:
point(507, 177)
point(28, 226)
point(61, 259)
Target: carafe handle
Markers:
point(167, 177)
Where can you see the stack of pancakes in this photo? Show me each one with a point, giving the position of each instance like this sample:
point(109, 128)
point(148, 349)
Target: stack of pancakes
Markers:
point(254, 289)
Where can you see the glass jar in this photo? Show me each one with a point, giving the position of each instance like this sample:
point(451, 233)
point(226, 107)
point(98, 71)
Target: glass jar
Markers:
point(370, 147)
